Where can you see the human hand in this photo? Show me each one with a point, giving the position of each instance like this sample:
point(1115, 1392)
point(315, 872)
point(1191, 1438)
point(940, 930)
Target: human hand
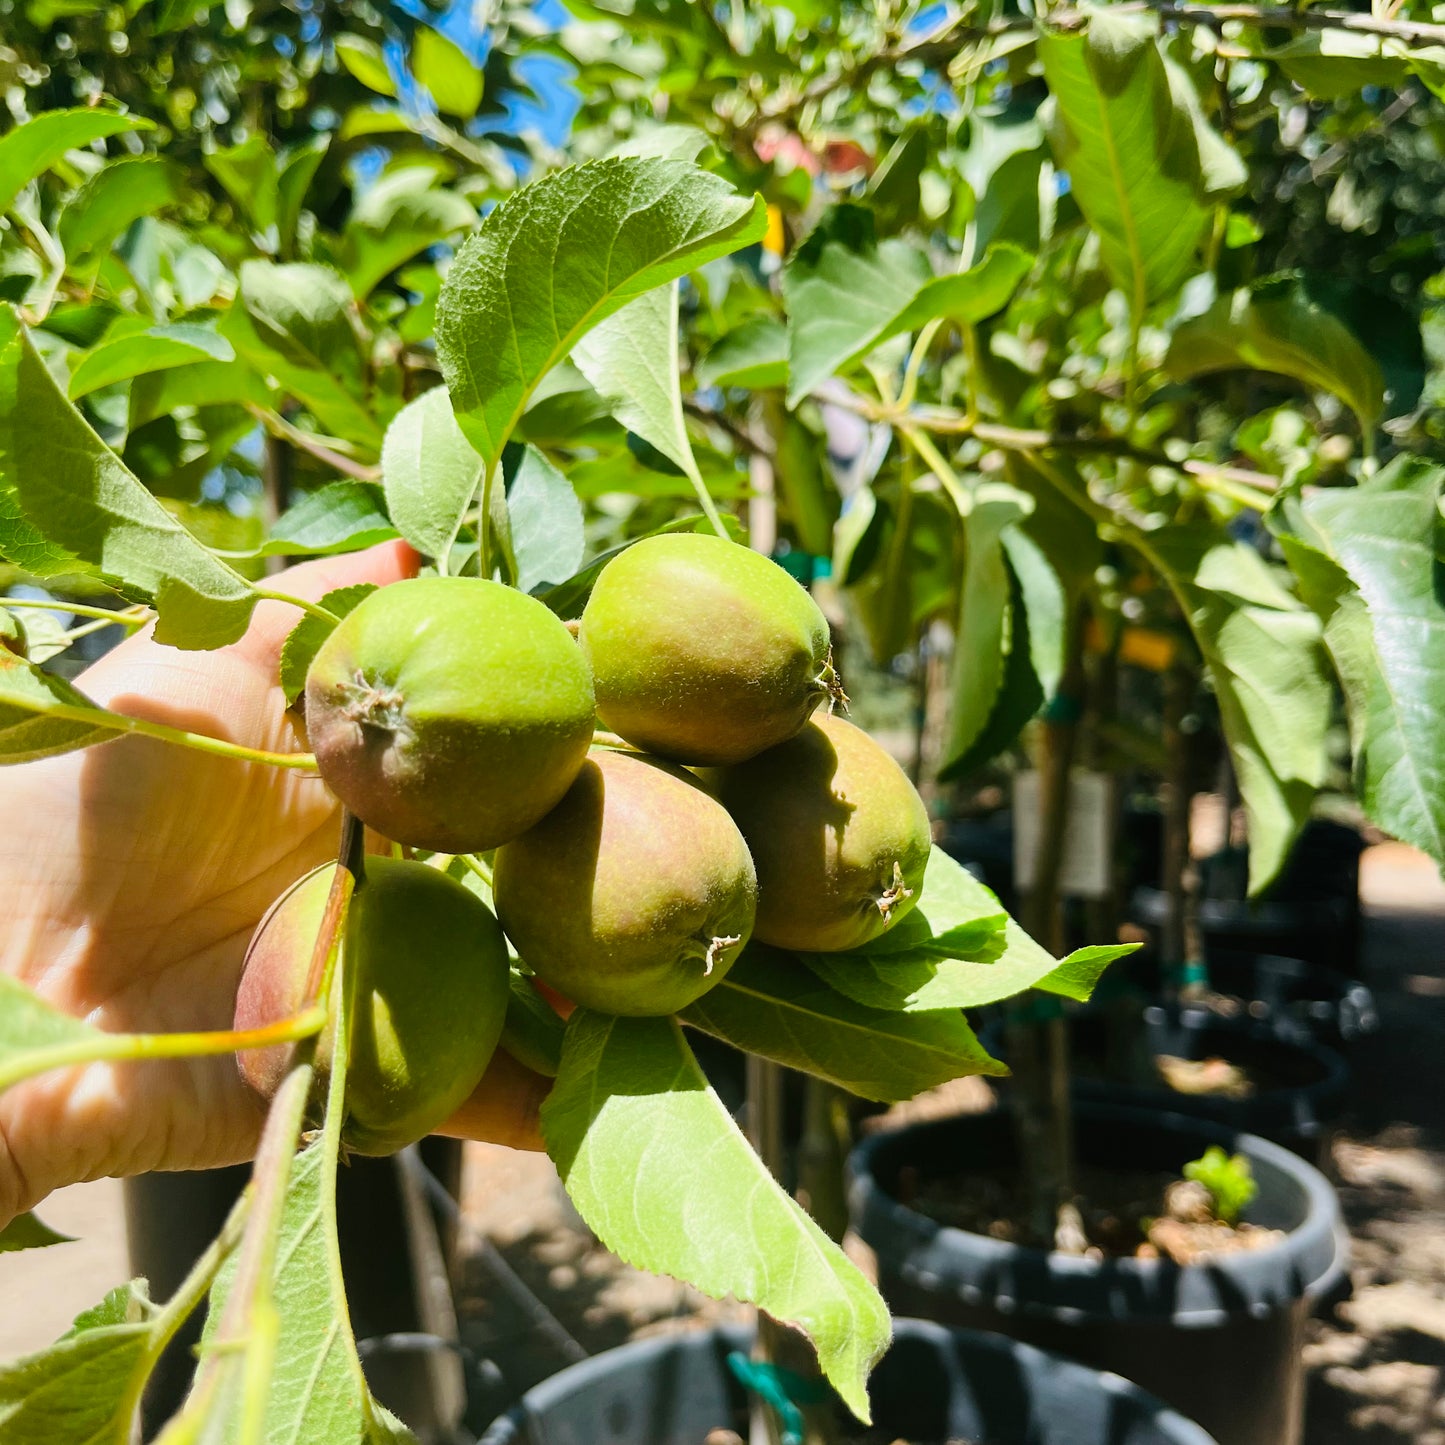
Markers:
point(134, 874)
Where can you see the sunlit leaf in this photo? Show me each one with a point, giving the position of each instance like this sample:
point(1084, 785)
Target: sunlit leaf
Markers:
point(365, 61)
point(157, 348)
point(31, 149)
point(661, 1173)
point(454, 81)
point(561, 255)
point(1144, 164)
point(769, 1004)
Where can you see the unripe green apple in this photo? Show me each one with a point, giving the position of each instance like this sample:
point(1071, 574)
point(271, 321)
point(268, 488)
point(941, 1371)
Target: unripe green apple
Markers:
point(426, 965)
point(703, 651)
point(449, 713)
point(839, 836)
point(634, 895)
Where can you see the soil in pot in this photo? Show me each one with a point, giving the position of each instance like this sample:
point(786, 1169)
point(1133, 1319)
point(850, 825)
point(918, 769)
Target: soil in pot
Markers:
point(1175, 1329)
point(1124, 1213)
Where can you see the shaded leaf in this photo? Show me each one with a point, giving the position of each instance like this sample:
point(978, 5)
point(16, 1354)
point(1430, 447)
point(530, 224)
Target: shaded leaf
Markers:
point(430, 473)
point(113, 198)
point(294, 323)
point(75, 494)
point(847, 293)
point(532, 281)
point(1368, 564)
point(73, 1392)
point(753, 355)
point(661, 1173)
point(769, 1004)
point(339, 517)
point(305, 639)
point(249, 175)
point(25, 732)
point(400, 215)
point(544, 521)
point(25, 1231)
point(1266, 660)
point(1278, 325)
point(631, 360)
point(985, 638)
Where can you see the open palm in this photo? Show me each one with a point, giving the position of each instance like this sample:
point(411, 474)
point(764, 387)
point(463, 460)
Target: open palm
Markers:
point(135, 872)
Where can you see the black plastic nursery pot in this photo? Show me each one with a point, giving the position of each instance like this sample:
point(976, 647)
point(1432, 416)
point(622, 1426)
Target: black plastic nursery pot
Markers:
point(1299, 1099)
point(1219, 1340)
point(934, 1385)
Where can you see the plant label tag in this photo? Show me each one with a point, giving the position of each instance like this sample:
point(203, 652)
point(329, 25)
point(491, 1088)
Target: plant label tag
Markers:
point(1084, 871)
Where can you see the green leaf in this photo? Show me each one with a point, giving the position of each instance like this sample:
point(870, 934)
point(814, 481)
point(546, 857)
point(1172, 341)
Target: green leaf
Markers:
point(158, 348)
point(399, 216)
point(305, 639)
point(454, 81)
point(32, 1033)
point(249, 175)
point(753, 355)
point(1280, 326)
point(532, 1033)
point(31, 149)
point(297, 171)
point(661, 1173)
point(1265, 656)
point(25, 1231)
point(1143, 163)
point(844, 290)
point(74, 1392)
point(1337, 64)
point(73, 491)
point(545, 523)
point(316, 1389)
point(847, 293)
point(527, 286)
point(568, 598)
point(771, 1005)
point(1368, 564)
point(970, 296)
point(365, 61)
point(197, 383)
point(631, 360)
point(810, 501)
point(25, 732)
point(430, 473)
point(339, 517)
point(1040, 594)
point(294, 323)
point(113, 198)
point(986, 635)
point(956, 949)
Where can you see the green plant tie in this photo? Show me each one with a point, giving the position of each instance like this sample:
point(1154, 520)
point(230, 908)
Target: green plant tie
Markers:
point(1194, 971)
point(784, 1391)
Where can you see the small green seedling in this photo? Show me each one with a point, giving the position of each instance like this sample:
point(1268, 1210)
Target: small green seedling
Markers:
point(1227, 1177)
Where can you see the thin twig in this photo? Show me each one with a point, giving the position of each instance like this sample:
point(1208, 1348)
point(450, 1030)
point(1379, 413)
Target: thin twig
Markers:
point(278, 426)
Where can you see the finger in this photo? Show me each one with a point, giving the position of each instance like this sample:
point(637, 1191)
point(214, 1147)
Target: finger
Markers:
point(273, 621)
point(503, 1108)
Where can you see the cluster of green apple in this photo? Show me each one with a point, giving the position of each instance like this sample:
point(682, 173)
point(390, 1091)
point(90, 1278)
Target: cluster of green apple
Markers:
point(725, 802)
